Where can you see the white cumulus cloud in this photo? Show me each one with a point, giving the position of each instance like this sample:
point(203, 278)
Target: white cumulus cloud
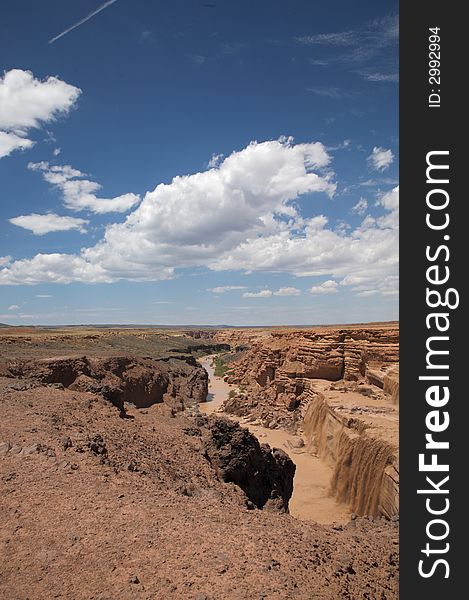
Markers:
point(287, 291)
point(371, 249)
point(80, 194)
point(261, 294)
point(11, 141)
point(240, 216)
point(380, 158)
point(57, 268)
point(42, 224)
point(327, 287)
point(13, 307)
point(226, 288)
point(390, 201)
point(26, 103)
point(284, 291)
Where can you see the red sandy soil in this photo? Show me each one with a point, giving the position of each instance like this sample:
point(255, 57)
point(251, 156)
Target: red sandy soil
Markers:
point(148, 518)
point(98, 507)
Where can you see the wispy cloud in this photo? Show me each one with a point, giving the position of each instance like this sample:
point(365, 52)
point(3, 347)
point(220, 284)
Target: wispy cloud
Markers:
point(197, 59)
point(261, 294)
point(346, 144)
point(215, 160)
point(287, 291)
point(318, 63)
point(334, 93)
point(391, 77)
point(231, 48)
point(377, 34)
point(367, 51)
point(360, 207)
point(342, 38)
point(379, 182)
point(147, 36)
point(78, 23)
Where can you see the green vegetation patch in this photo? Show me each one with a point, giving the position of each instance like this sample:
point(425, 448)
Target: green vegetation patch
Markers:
point(220, 366)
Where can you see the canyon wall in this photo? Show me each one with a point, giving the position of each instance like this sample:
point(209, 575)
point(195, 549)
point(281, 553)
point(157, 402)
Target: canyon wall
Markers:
point(340, 389)
point(274, 374)
point(366, 471)
point(179, 382)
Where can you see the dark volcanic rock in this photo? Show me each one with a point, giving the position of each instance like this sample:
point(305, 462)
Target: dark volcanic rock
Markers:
point(264, 474)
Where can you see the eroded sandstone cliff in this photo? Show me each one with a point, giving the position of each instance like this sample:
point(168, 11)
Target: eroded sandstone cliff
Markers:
point(340, 388)
point(363, 450)
point(280, 367)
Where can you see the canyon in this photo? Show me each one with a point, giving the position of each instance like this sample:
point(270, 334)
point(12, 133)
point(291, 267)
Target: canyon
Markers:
point(125, 475)
point(338, 389)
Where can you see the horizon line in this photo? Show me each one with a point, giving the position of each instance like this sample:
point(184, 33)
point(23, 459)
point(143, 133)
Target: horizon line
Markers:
point(195, 326)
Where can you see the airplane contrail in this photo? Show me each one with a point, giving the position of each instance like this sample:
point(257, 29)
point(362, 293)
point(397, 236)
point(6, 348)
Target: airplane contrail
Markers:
point(87, 18)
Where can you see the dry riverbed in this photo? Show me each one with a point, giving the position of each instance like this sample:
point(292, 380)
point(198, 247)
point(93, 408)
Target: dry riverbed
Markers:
point(310, 499)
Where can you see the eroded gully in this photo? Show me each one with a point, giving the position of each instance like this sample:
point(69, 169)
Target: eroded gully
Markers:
point(310, 499)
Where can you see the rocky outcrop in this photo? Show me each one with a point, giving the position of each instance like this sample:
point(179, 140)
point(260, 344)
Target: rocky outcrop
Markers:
point(264, 474)
point(119, 379)
point(391, 383)
point(279, 368)
point(200, 334)
point(387, 379)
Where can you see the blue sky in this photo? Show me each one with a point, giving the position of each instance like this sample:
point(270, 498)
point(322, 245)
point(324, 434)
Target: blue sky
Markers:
point(198, 162)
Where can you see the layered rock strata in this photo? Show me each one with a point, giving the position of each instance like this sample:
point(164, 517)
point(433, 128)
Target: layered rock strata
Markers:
point(281, 381)
point(366, 469)
point(271, 378)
